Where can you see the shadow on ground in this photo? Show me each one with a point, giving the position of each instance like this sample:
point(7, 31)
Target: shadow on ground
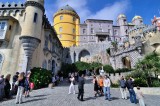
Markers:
point(40, 95)
point(33, 100)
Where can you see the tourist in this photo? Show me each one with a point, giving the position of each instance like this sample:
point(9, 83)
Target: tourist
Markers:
point(1, 87)
point(140, 97)
point(122, 83)
point(95, 82)
point(72, 85)
point(15, 87)
point(21, 84)
point(106, 88)
point(7, 86)
point(130, 87)
point(61, 76)
point(54, 80)
point(100, 83)
point(27, 84)
point(76, 76)
point(81, 83)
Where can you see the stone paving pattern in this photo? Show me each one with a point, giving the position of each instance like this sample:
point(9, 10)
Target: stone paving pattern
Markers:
point(58, 96)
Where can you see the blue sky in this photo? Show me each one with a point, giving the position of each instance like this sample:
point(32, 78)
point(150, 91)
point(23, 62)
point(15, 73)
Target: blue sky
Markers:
point(105, 9)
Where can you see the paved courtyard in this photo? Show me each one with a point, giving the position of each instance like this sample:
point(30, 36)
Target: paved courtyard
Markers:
point(58, 96)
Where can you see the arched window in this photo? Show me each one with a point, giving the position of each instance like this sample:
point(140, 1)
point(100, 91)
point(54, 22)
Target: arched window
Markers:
point(35, 17)
point(44, 64)
point(61, 17)
point(60, 29)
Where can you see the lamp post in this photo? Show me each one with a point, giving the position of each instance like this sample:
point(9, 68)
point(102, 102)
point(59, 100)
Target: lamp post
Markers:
point(29, 45)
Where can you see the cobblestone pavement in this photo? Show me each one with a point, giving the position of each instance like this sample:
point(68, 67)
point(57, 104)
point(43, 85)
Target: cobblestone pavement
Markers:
point(58, 96)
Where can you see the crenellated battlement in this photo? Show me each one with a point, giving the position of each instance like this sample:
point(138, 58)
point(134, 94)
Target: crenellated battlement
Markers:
point(149, 28)
point(12, 5)
point(137, 28)
point(8, 9)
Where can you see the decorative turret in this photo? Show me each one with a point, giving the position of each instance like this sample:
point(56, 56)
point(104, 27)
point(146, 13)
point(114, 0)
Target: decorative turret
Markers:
point(137, 20)
point(121, 20)
point(66, 24)
point(30, 36)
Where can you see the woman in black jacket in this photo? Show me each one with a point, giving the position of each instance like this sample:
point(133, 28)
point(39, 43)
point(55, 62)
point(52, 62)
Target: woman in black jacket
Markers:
point(7, 86)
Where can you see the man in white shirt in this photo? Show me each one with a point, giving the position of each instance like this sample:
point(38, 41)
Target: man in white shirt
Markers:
point(106, 88)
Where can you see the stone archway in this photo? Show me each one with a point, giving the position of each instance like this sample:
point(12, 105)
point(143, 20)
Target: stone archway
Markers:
point(126, 62)
point(83, 53)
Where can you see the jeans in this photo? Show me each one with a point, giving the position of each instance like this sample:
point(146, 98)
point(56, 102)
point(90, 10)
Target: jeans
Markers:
point(132, 96)
point(123, 93)
point(106, 91)
point(19, 94)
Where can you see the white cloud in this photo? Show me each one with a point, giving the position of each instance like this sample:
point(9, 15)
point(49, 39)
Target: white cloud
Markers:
point(112, 11)
point(109, 12)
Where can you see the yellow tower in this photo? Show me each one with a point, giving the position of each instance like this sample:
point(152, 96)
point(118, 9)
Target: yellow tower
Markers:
point(66, 24)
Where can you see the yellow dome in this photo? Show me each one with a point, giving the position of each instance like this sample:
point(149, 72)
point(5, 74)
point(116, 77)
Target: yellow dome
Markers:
point(121, 16)
point(136, 17)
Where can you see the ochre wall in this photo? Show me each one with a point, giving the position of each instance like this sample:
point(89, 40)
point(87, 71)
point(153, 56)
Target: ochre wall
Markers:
point(68, 38)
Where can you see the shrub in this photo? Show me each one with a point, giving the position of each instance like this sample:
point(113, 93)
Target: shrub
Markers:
point(40, 77)
point(119, 70)
point(80, 66)
point(156, 83)
point(140, 82)
point(116, 85)
point(108, 69)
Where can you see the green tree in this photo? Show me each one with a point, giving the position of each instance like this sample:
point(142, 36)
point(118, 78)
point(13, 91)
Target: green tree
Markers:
point(108, 69)
point(149, 65)
point(81, 66)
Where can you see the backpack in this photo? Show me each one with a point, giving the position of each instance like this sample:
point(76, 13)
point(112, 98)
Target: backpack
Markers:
point(123, 83)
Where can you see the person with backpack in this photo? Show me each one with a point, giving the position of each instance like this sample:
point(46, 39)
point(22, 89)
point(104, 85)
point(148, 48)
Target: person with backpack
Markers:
point(132, 93)
point(122, 83)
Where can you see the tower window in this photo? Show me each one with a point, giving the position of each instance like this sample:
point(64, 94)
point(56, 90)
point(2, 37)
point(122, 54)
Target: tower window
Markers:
point(60, 29)
point(61, 17)
point(35, 17)
point(109, 31)
point(92, 31)
point(84, 31)
point(73, 30)
point(74, 19)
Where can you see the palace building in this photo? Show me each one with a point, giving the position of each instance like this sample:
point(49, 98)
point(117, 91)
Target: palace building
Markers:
point(26, 36)
point(27, 39)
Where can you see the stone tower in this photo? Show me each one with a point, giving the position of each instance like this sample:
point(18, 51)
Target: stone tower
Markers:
point(31, 32)
point(66, 24)
point(122, 22)
point(137, 20)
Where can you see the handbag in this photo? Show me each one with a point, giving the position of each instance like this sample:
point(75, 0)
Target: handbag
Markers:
point(17, 83)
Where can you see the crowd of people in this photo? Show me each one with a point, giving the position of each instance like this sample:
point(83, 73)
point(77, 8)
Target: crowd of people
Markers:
point(20, 86)
point(102, 85)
